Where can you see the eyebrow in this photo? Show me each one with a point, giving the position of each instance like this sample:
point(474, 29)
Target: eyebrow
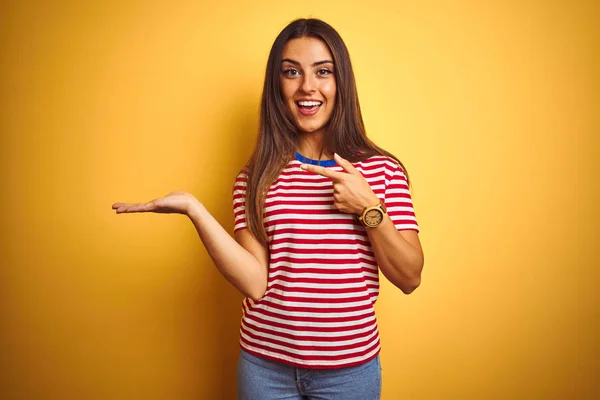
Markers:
point(314, 65)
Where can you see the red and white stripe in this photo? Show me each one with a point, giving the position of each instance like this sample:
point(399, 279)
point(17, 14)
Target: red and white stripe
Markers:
point(323, 280)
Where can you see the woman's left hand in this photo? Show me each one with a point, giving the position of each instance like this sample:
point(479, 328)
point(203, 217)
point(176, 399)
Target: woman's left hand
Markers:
point(351, 192)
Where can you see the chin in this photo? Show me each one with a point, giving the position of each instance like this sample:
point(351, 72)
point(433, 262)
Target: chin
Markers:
point(309, 129)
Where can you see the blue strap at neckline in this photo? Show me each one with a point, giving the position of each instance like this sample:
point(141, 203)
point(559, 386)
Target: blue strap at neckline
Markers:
point(306, 160)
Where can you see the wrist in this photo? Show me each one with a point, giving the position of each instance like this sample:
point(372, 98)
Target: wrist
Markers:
point(194, 209)
point(369, 202)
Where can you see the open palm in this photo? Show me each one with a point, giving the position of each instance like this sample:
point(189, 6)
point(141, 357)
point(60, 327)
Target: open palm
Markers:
point(173, 203)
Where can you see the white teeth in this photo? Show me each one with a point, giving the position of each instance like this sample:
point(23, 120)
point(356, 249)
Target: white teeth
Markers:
point(309, 103)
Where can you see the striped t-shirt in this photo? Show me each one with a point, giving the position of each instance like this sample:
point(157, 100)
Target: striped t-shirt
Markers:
point(318, 310)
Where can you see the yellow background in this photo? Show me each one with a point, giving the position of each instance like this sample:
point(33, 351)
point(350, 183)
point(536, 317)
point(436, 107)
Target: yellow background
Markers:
point(492, 106)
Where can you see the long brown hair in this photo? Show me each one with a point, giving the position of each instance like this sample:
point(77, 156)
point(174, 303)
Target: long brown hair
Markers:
point(278, 135)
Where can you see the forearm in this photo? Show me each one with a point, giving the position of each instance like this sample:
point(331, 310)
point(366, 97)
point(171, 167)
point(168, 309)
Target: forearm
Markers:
point(400, 261)
point(240, 267)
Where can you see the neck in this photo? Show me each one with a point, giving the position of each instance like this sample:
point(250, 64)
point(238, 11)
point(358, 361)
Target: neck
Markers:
point(311, 145)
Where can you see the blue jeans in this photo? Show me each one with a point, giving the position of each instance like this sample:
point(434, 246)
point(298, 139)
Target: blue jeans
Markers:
point(261, 379)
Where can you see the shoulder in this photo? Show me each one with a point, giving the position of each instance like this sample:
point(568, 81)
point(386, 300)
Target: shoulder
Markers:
point(242, 175)
point(389, 164)
point(241, 181)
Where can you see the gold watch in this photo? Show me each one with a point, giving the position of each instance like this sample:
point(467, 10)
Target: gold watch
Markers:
point(372, 216)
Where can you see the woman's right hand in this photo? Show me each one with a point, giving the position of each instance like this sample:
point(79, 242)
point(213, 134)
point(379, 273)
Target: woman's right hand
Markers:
point(173, 203)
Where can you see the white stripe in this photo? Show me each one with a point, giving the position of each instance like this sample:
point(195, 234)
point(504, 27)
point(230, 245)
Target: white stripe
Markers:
point(321, 246)
point(311, 189)
point(292, 208)
point(308, 185)
point(311, 352)
point(321, 296)
point(318, 223)
point(403, 227)
point(373, 275)
point(397, 191)
point(316, 315)
point(338, 236)
point(369, 338)
point(398, 218)
point(399, 208)
point(307, 275)
point(323, 192)
point(379, 172)
point(321, 304)
point(299, 198)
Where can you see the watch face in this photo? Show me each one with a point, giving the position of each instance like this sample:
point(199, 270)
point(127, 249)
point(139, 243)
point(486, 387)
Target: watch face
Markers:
point(373, 217)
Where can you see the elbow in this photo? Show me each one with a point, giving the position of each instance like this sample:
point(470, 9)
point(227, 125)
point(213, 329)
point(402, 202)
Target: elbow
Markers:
point(257, 294)
point(412, 282)
point(409, 286)
point(407, 281)
point(255, 297)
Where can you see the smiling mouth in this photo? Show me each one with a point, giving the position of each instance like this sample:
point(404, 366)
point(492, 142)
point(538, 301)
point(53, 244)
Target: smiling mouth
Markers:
point(308, 107)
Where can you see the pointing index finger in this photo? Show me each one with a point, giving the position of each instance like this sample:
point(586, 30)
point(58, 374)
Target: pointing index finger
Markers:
point(328, 173)
point(345, 164)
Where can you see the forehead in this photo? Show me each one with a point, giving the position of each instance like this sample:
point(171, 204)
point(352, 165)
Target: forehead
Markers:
point(306, 50)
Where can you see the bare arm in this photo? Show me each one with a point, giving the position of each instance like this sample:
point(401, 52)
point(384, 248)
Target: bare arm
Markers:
point(398, 253)
point(243, 261)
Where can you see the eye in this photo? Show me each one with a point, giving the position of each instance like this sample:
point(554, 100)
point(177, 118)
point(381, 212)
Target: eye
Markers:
point(291, 72)
point(324, 72)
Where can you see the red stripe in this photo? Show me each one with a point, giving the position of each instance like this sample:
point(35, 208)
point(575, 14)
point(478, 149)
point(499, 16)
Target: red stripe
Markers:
point(305, 221)
point(311, 319)
point(374, 177)
point(348, 291)
point(324, 261)
point(318, 281)
point(325, 271)
point(307, 202)
point(295, 240)
point(309, 191)
point(363, 297)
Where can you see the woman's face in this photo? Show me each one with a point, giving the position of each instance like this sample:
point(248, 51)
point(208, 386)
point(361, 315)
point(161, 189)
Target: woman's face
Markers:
point(308, 83)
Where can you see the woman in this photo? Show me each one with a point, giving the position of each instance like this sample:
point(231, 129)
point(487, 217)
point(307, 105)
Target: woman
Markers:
point(318, 209)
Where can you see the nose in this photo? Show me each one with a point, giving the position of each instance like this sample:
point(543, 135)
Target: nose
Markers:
point(309, 83)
